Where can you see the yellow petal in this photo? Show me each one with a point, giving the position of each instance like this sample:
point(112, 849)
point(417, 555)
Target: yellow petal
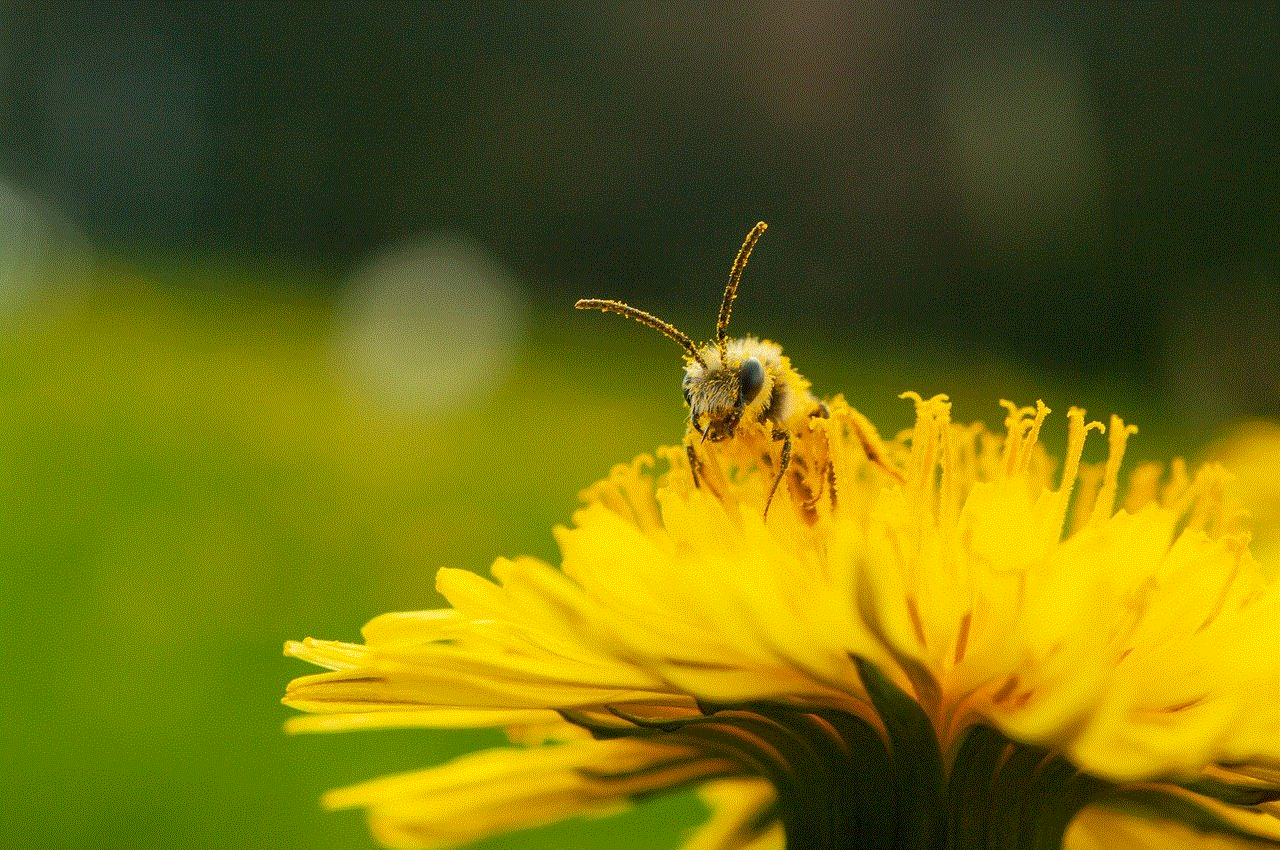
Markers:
point(506, 789)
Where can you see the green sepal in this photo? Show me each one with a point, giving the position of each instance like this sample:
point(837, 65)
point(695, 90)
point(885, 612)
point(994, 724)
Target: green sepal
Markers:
point(1007, 796)
point(973, 771)
point(1062, 791)
point(917, 760)
point(1232, 793)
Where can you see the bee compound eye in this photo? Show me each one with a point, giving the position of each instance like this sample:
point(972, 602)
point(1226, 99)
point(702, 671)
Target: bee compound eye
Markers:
point(750, 379)
point(688, 397)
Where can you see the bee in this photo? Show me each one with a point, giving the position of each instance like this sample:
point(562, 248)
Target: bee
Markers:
point(729, 381)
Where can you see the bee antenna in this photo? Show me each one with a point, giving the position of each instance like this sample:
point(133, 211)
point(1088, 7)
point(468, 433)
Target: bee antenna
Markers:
point(731, 290)
point(665, 328)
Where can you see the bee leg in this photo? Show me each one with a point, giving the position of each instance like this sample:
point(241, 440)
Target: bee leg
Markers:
point(827, 473)
point(827, 483)
point(694, 463)
point(823, 477)
point(783, 462)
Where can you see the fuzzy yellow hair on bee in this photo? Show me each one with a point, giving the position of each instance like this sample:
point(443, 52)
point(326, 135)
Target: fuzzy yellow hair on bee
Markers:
point(729, 381)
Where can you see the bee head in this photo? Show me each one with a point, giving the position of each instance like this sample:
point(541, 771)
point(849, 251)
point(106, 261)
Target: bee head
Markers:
point(718, 395)
point(719, 384)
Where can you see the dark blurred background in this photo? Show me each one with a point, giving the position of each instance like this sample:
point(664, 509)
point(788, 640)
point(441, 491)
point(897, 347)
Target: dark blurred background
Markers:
point(1069, 185)
point(285, 313)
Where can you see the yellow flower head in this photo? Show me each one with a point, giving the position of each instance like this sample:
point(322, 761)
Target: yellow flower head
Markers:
point(961, 646)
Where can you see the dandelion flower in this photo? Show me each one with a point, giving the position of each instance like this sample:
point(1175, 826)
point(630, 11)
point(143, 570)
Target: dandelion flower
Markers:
point(966, 645)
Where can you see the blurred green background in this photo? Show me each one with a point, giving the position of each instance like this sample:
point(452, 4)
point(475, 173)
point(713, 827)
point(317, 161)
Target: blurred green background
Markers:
point(286, 325)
